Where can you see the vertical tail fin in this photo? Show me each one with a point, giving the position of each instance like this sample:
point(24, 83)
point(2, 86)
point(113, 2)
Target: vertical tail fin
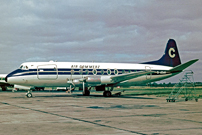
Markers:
point(171, 56)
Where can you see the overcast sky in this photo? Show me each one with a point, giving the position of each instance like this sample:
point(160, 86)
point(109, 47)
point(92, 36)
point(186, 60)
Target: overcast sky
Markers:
point(99, 30)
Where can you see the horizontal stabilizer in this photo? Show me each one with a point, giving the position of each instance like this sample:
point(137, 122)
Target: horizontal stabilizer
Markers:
point(124, 77)
point(181, 67)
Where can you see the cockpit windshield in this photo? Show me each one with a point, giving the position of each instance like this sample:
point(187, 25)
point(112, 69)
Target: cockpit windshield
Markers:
point(24, 67)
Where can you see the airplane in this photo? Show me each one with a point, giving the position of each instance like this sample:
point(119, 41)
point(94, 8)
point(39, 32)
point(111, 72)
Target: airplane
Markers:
point(102, 76)
point(3, 83)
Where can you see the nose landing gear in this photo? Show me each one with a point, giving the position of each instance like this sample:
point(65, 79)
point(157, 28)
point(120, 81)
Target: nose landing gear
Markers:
point(29, 94)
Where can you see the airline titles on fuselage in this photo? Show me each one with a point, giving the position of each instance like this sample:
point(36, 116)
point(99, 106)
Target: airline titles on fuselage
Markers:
point(86, 66)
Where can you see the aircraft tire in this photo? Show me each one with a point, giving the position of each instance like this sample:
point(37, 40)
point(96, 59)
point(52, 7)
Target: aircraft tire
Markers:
point(86, 93)
point(107, 94)
point(3, 88)
point(29, 95)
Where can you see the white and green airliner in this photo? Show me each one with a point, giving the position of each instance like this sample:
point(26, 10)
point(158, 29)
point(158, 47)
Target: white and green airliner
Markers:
point(31, 75)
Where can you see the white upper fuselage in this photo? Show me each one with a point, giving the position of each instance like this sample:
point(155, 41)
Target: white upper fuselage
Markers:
point(92, 65)
point(58, 74)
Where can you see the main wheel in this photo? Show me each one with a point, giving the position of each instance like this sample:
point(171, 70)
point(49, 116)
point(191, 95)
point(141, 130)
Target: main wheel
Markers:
point(86, 93)
point(107, 94)
point(3, 88)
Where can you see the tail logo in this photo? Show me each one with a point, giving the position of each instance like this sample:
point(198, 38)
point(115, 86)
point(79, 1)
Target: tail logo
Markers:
point(171, 52)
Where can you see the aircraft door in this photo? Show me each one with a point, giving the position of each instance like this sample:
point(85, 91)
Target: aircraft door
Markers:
point(47, 72)
point(81, 72)
point(148, 68)
point(72, 73)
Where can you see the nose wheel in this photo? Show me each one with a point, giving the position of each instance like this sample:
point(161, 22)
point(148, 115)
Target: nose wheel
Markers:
point(29, 94)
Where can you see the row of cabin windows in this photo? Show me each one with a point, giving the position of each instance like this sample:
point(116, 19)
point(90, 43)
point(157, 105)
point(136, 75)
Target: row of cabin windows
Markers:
point(93, 71)
point(102, 72)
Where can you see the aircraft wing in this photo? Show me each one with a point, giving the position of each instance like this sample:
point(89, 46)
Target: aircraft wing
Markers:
point(124, 77)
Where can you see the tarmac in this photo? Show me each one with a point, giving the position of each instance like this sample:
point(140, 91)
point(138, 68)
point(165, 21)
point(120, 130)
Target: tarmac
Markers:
point(52, 113)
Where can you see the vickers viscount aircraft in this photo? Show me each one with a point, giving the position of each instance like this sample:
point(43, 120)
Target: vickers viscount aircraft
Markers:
point(31, 75)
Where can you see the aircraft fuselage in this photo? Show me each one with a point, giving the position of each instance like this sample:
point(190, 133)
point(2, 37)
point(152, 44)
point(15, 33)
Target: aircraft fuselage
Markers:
point(60, 74)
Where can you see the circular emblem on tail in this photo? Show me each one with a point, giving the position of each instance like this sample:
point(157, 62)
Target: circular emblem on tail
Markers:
point(171, 52)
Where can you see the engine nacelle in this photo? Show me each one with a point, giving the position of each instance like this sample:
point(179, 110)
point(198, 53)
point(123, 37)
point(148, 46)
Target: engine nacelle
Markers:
point(93, 80)
point(90, 81)
point(77, 82)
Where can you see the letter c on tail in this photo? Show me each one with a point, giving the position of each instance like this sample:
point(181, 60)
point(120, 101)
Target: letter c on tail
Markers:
point(171, 52)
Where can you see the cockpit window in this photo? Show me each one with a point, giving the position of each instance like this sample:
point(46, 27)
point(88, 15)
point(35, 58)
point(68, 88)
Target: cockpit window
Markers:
point(24, 67)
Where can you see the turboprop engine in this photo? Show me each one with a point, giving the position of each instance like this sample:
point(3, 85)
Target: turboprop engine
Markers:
point(93, 80)
point(88, 80)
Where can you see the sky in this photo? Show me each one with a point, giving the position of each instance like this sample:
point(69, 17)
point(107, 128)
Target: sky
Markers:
point(132, 31)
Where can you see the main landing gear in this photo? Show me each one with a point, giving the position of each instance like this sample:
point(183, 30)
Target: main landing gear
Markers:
point(86, 91)
point(107, 94)
point(3, 88)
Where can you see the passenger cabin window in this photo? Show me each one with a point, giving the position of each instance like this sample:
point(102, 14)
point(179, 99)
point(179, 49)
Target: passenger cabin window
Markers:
point(94, 71)
point(86, 71)
point(116, 72)
point(102, 72)
point(108, 71)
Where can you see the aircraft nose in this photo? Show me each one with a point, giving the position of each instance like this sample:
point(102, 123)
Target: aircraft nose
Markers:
point(7, 79)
